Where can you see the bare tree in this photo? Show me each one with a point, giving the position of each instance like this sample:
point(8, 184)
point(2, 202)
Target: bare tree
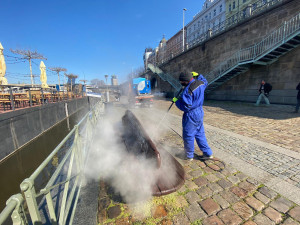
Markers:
point(29, 55)
point(71, 76)
point(58, 70)
point(136, 73)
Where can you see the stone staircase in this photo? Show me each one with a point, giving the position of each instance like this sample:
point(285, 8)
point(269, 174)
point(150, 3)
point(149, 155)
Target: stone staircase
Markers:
point(279, 42)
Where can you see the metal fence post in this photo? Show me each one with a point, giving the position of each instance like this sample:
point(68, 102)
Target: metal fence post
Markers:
point(52, 96)
point(11, 99)
point(284, 32)
point(27, 186)
point(42, 96)
point(30, 98)
point(18, 217)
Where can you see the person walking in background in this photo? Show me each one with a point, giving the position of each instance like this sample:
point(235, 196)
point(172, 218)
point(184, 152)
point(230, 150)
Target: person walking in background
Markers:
point(190, 102)
point(298, 99)
point(264, 92)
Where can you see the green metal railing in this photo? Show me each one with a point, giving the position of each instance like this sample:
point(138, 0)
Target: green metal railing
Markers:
point(70, 169)
point(284, 33)
point(165, 77)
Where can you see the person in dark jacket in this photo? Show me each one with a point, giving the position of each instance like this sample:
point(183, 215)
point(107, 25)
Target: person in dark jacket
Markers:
point(264, 92)
point(298, 99)
point(190, 102)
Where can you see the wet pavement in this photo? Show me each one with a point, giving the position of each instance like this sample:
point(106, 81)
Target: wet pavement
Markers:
point(260, 183)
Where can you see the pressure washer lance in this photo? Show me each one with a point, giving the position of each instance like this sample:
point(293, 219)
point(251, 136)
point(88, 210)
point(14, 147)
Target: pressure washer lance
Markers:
point(168, 110)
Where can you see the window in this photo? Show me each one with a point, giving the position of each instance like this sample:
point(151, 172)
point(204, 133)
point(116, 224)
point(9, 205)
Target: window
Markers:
point(214, 24)
point(206, 18)
point(209, 15)
point(198, 24)
point(221, 8)
point(206, 5)
point(233, 5)
point(215, 12)
point(194, 26)
point(229, 7)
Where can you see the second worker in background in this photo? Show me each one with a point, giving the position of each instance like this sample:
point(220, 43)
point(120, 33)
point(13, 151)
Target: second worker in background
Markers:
point(190, 102)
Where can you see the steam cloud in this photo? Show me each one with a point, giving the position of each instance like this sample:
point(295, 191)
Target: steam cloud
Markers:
point(131, 177)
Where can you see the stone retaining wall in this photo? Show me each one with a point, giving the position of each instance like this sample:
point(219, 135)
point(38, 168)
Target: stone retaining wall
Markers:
point(283, 74)
point(19, 127)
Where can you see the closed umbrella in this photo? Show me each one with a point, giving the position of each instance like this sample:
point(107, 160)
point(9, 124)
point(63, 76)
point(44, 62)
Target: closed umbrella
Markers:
point(3, 80)
point(43, 76)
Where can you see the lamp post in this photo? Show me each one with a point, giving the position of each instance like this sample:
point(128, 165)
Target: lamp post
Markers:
point(183, 29)
point(107, 93)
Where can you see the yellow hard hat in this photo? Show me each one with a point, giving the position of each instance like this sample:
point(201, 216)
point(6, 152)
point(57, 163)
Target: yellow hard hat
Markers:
point(195, 74)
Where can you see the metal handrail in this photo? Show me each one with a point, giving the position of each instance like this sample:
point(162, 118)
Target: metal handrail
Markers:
point(256, 51)
point(15, 209)
point(75, 159)
point(165, 77)
point(257, 7)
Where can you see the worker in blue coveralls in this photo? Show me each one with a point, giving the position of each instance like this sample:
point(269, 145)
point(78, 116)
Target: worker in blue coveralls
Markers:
point(190, 102)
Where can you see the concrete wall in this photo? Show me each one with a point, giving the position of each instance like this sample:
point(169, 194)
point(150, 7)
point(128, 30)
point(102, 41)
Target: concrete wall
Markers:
point(283, 74)
point(19, 127)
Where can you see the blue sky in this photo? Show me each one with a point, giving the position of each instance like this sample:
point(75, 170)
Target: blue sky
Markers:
point(90, 38)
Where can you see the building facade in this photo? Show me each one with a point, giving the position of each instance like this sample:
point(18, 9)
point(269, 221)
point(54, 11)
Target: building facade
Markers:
point(162, 51)
point(236, 9)
point(175, 45)
point(148, 52)
point(211, 17)
point(114, 80)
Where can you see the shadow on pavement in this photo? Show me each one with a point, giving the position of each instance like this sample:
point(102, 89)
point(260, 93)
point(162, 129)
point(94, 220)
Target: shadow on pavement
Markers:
point(274, 111)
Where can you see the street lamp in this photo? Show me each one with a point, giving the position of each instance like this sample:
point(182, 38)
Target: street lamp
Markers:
point(107, 93)
point(183, 29)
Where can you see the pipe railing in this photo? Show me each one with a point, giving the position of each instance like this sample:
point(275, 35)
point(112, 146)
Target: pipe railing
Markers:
point(278, 37)
point(249, 11)
point(69, 169)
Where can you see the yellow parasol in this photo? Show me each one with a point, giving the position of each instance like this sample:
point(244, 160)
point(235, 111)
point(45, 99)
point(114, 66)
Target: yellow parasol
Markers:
point(3, 80)
point(43, 76)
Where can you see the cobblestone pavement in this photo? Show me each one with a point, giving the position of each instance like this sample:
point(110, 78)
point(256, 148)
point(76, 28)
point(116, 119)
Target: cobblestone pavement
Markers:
point(211, 194)
point(275, 124)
